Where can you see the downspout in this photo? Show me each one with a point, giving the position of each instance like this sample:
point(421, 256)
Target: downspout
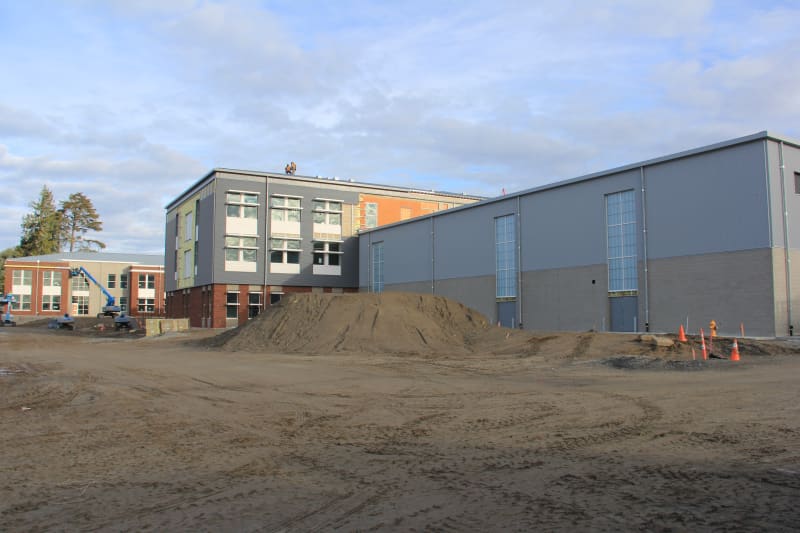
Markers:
point(644, 252)
point(787, 259)
point(433, 254)
point(519, 262)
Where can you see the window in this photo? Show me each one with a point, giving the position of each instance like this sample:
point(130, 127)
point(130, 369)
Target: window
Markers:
point(111, 282)
point(123, 281)
point(377, 267)
point(123, 304)
point(285, 208)
point(505, 253)
point(370, 215)
point(241, 248)
point(232, 305)
point(188, 223)
point(327, 212)
point(253, 304)
point(22, 302)
point(241, 205)
point(621, 235)
point(797, 182)
point(22, 277)
point(51, 278)
point(79, 283)
point(146, 305)
point(147, 281)
point(187, 264)
point(80, 305)
point(51, 302)
point(327, 253)
point(284, 251)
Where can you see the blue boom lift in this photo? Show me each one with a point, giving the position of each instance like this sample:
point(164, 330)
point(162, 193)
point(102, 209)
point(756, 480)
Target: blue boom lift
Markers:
point(7, 300)
point(111, 308)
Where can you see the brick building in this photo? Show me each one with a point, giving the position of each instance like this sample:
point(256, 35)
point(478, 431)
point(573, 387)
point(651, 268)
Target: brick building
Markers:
point(43, 285)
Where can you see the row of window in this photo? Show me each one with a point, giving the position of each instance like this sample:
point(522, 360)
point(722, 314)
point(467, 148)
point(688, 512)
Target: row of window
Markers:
point(52, 302)
point(52, 278)
point(285, 251)
point(232, 304)
point(282, 208)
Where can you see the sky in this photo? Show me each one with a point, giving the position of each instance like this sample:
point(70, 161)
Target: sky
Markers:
point(131, 102)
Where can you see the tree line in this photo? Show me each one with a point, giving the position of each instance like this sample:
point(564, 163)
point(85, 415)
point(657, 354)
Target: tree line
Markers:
point(48, 229)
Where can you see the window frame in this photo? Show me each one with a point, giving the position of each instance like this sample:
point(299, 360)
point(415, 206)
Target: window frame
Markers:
point(238, 201)
point(622, 238)
point(505, 250)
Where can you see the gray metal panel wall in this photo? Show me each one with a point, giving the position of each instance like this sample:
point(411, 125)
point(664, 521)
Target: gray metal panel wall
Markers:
point(205, 256)
point(464, 240)
point(566, 226)
point(710, 202)
point(306, 277)
point(407, 253)
point(220, 275)
point(169, 254)
point(791, 161)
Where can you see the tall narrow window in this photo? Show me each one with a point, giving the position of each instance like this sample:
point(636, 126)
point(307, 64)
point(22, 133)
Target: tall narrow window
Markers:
point(232, 305)
point(370, 214)
point(621, 234)
point(505, 252)
point(377, 267)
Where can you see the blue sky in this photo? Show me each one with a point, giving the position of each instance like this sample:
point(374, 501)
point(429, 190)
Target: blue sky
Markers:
point(130, 102)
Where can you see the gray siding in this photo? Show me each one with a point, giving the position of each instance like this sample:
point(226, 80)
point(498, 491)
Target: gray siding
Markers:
point(206, 244)
point(169, 254)
point(710, 202)
point(566, 298)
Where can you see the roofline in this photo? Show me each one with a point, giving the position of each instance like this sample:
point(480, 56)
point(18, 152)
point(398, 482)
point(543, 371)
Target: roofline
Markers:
point(761, 135)
point(313, 179)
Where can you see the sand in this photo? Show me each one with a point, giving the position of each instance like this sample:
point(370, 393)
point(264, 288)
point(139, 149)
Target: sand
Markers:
point(506, 431)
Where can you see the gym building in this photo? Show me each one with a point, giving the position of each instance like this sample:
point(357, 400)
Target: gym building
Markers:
point(706, 234)
point(238, 240)
point(43, 285)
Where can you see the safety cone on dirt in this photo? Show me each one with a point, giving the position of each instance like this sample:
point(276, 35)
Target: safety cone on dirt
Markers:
point(735, 351)
point(703, 344)
point(681, 334)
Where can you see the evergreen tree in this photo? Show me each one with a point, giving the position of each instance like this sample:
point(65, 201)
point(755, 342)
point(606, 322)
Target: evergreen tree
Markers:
point(41, 229)
point(78, 216)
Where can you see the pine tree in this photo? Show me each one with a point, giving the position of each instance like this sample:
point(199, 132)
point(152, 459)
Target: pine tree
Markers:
point(41, 229)
point(78, 216)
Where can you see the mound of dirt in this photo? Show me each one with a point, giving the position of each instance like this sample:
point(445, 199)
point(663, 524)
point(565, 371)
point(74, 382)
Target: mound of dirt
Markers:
point(389, 323)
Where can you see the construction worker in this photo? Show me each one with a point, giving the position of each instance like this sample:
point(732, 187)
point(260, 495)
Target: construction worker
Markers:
point(713, 327)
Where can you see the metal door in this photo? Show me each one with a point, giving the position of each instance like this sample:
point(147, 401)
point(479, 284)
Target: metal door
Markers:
point(623, 313)
point(507, 314)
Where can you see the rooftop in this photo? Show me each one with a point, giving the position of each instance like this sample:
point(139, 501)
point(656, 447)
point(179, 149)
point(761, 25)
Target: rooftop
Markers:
point(96, 257)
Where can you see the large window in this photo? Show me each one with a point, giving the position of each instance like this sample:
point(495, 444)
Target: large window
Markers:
point(22, 277)
point(621, 234)
point(241, 205)
point(111, 282)
point(232, 305)
point(187, 264)
point(284, 251)
point(51, 278)
point(123, 281)
point(147, 281)
point(253, 304)
point(377, 267)
point(22, 302)
point(79, 283)
point(327, 212)
point(146, 305)
point(505, 251)
point(51, 302)
point(188, 230)
point(327, 253)
point(370, 214)
point(241, 248)
point(285, 208)
point(80, 305)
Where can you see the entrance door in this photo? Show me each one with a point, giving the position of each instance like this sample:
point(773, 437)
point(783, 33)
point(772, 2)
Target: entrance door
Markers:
point(507, 314)
point(623, 313)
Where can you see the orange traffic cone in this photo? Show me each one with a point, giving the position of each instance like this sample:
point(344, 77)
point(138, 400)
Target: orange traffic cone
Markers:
point(682, 334)
point(735, 351)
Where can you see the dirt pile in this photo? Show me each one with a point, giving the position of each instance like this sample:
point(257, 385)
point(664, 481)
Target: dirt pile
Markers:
point(389, 323)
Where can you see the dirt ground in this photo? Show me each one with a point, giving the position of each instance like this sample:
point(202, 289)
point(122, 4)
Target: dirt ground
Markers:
point(521, 432)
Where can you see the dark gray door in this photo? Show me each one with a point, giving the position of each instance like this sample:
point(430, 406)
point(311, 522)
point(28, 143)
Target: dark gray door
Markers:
point(623, 313)
point(507, 314)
